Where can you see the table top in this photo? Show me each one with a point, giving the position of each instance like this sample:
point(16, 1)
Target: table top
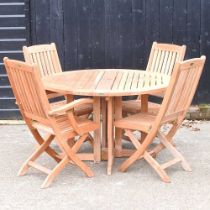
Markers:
point(106, 82)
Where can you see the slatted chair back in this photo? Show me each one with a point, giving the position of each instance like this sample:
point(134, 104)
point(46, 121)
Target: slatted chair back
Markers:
point(181, 89)
point(32, 100)
point(164, 56)
point(45, 56)
point(28, 90)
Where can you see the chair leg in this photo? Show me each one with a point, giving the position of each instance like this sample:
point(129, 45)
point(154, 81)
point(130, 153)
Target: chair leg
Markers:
point(110, 137)
point(79, 142)
point(76, 160)
point(157, 149)
point(128, 162)
point(174, 151)
point(58, 168)
point(24, 168)
point(156, 166)
point(51, 152)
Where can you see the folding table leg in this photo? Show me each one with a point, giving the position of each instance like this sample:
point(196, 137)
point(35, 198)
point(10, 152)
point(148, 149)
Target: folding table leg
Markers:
point(104, 122)
point(118, 115)
point(110, 136)
point(97, 133)
point(144, 108)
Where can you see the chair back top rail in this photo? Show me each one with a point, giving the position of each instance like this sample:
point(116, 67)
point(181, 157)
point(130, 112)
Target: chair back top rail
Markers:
point(164, 56)
point(28, 89)
point(182, 88)
point(45, 56)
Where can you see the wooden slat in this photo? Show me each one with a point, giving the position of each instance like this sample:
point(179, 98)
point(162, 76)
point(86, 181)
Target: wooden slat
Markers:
point(123, 81)
point(129, 81)
point(39, 167)
point(170, 163)
point(107, 80)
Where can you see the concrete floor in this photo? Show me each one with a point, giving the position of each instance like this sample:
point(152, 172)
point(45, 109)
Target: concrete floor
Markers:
point(138, 188)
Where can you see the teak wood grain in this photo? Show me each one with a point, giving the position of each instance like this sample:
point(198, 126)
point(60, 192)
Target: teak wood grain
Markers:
point(161, 60)
point(109, 85)
point(107, 82)
point(59, 123)
point(45, 56)
point(177, 99)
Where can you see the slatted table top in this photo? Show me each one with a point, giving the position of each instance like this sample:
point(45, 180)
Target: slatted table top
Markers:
point(106, 82)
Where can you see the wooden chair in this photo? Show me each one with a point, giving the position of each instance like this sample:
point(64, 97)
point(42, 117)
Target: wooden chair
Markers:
point(177, 99)
point(59, 123)
point(161, 60)
point(46, 57)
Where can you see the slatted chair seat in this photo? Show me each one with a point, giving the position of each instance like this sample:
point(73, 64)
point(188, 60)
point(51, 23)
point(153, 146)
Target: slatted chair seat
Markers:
point(57, 120)
point(177, 99)
point(139, 121)
point(66, 130)
point(134, 106)
point(161, 60)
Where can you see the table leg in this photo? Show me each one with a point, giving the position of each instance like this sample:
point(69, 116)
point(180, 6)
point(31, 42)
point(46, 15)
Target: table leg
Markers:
point(144, 108)
point(97, 133)
point(104, 122)
point(118, 131)
point(110, 135)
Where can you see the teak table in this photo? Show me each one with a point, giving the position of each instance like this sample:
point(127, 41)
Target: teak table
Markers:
point(107, 87)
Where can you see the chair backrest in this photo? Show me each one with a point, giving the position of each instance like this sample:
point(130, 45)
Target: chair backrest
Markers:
point(45, 56)
point(182, 88)
point(28, 90)
point(164, 56)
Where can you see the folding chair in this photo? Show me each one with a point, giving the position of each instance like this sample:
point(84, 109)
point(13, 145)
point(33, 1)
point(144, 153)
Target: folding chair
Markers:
point(46, 57)
point(161, 60)
point(60, 123)
point(177, 99)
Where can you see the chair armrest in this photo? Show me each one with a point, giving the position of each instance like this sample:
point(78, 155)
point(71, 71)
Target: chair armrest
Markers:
point(70, 106)
point(51, 94)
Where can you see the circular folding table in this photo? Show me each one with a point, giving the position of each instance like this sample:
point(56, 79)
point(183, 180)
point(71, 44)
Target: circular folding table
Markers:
point(107, 86)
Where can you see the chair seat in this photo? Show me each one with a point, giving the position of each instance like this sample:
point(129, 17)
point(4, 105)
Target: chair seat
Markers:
point(82, 110)
point(134, 106)
point(64, 124)
point(140, 121)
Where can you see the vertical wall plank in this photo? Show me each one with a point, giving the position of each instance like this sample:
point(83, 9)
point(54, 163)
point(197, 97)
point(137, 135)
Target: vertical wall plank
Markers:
point(42, 21)
point(125, 33)
point(152, 24)
point(203, 95)
point(138, 11)
point(70, 34)
point(166, 17)
point(33, 21)
point(180, 22)
point(84, 33)
point(111, 34)
point(98, 33)
point(193, 28)
point(56, 27)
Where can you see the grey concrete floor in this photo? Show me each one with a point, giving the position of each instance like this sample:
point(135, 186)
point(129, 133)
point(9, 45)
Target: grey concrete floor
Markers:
point(138, 188)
